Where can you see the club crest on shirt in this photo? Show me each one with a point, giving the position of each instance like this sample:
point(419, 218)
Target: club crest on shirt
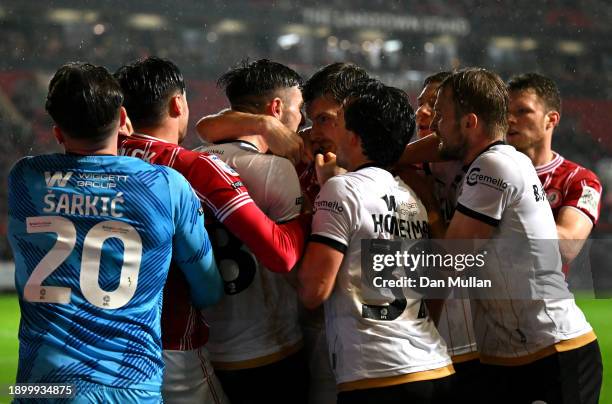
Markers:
point(554, 197)
point(222, 165)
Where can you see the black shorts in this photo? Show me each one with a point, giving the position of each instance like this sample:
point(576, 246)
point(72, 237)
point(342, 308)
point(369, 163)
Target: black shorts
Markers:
point(285, 381)
point(571, 377)
point(436, 391)
point(467, 383)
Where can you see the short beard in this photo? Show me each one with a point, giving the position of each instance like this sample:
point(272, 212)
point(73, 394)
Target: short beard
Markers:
point(456, 152)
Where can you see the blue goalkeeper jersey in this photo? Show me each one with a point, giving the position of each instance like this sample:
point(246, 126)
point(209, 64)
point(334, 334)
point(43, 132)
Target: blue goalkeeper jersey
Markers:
point(93, 237)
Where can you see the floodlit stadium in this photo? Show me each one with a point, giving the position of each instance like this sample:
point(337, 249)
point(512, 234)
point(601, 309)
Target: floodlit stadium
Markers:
point(402, 44)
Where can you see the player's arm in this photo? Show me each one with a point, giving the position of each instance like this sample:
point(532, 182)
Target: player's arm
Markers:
point(464, 227)
point(192, 251)
point(579, 213)
point(228, 124)
point(573, 228)
point(423, 187)
point(331, 230)
point(317, 273)
point(419, 151)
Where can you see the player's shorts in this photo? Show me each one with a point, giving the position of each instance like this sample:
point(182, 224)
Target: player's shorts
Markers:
point(436, 391)
point(108, 395)
point(282, 382)
point(322, 382)
point(190, 378)
point(565, 377)
point(467, 383)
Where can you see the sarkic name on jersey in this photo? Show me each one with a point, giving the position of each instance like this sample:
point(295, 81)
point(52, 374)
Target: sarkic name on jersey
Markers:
point(73, 203)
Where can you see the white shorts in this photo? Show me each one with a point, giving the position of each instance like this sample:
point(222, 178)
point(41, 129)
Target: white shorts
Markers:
point(190, 378)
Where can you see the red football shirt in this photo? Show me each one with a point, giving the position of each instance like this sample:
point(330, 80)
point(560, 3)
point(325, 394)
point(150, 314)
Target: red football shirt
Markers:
point(569, 184)
point(225, 200)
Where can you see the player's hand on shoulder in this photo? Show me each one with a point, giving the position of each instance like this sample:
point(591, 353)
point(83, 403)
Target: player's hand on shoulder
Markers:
point(326, 167)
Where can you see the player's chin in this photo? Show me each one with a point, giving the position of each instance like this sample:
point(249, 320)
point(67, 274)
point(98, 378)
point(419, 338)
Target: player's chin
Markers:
point(423, 131)
point(514, 139)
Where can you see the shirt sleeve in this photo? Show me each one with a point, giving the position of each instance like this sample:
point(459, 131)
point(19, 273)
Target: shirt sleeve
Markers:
point(192, 250)
point(488, 189)
point(584, 193)
point(336, 215)
point(277, 246)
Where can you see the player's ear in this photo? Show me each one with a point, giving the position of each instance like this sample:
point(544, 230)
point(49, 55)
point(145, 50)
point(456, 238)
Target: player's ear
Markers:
point(176, 106)
point(469, 121)
point(59, 136)
point(552, 119)
point(122, 116)
point(276, 107)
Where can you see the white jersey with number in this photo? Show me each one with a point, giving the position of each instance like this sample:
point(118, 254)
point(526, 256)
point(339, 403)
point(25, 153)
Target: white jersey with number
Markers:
point(501, 188)
point(257, 322)
point(455, 323)
point(371, 332)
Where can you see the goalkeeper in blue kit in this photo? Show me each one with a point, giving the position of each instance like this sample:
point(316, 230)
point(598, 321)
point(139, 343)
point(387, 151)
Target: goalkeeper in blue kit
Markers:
point(93, 235)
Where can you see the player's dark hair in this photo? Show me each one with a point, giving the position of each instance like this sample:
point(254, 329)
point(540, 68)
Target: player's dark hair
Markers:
point(84, 101)
point(250, 85)
point(148, 84)
point(436, 78)
point(544, 87)
point(334, 80)
point(479, 91)
point(383, 119)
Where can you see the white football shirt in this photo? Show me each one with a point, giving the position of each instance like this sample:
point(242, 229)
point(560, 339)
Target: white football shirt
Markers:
point(501, 188)
point(371, 332)
point(257, 323)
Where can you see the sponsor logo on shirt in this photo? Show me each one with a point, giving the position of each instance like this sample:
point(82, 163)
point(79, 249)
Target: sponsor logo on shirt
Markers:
point(475, 177)
point(330, 206)
point(237, 184)
point(589, 200)
point(222, 165)
point(57, 178)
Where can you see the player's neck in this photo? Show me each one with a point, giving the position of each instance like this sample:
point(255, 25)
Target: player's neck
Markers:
point(478, 148)
point(540, 154)
point(257, 140)
point(106, 147)
point(166, 131)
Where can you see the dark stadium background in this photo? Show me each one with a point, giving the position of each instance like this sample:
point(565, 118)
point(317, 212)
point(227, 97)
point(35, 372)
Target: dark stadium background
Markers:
point(401, 42)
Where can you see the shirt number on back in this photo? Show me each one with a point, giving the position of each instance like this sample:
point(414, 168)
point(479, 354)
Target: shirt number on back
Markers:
point(66, 232)
point(236, 265)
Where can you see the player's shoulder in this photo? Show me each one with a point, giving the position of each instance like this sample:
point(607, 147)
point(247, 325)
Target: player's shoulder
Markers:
point(206, 162)
point(503, 159)
point(22, 163)
point(577, 171)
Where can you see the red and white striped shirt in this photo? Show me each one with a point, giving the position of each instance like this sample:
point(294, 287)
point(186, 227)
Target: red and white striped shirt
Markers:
point(225, 200)
point(569, 184)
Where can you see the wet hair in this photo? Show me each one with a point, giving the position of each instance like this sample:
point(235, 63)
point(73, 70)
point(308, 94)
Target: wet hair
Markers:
point(544, 87)
point(334, 80)
point(250, 85)
point(148, 84)
point(479, 91)
point(84, 101)
point(383, 119)
point(436, 78)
